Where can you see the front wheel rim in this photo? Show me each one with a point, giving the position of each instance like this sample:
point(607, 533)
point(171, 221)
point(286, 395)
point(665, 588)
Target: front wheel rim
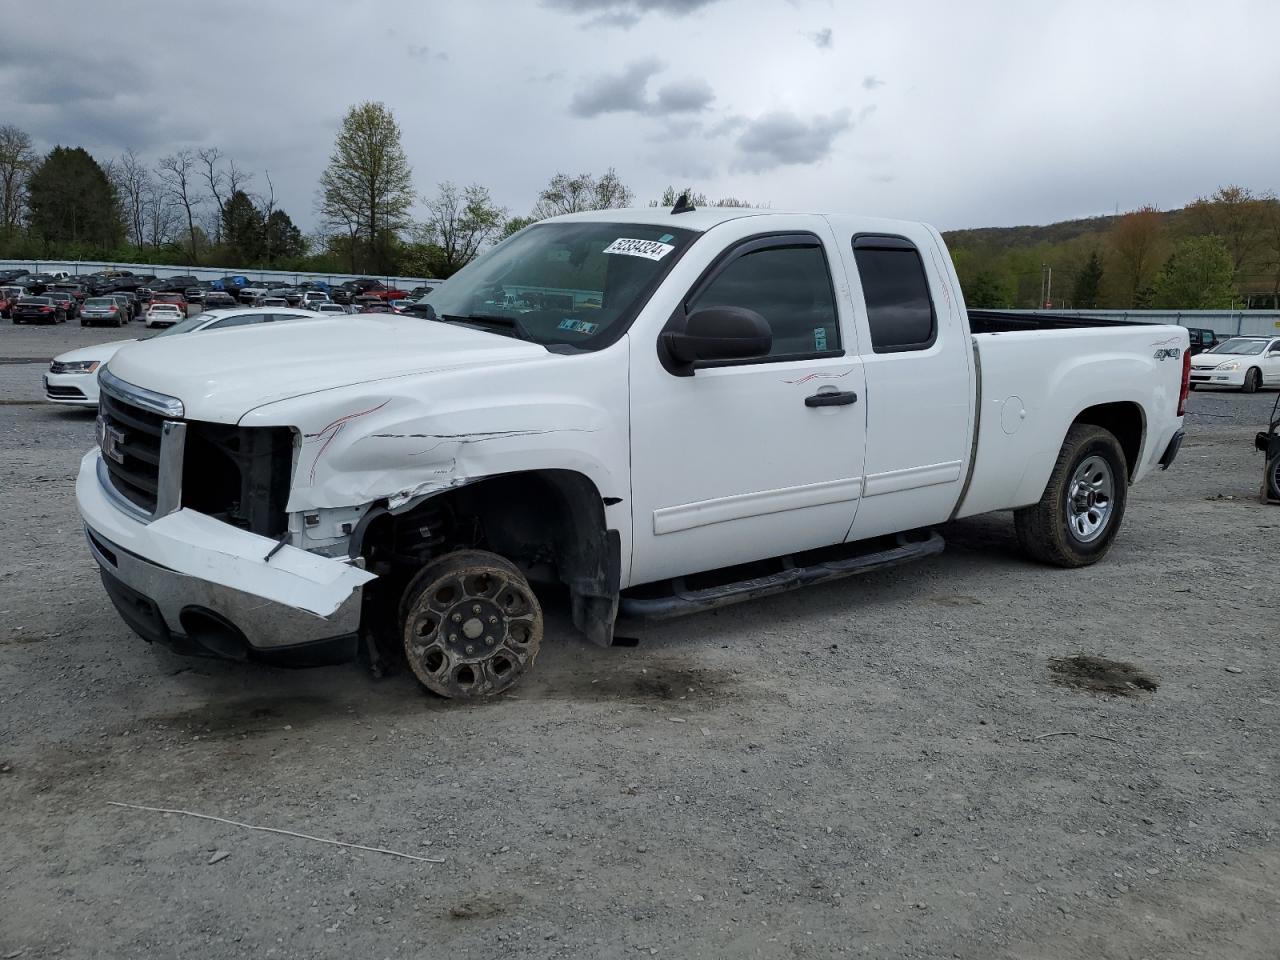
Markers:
point(1090, 499)
point(473, 633)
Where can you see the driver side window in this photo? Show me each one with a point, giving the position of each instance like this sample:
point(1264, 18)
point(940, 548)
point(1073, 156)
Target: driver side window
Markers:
point(790, 286)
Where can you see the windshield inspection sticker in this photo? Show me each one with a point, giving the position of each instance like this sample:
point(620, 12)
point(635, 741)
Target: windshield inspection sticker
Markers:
point(649, 249)
point(579, 326)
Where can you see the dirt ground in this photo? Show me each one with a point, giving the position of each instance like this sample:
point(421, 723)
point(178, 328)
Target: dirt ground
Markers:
point(889, 766)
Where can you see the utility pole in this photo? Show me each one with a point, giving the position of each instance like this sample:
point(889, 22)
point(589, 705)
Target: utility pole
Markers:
point(1046, 287)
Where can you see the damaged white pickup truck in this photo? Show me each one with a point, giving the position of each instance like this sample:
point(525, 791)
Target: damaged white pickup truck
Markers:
point(664, 411)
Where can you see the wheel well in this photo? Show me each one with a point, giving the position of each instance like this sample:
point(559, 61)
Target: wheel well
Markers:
point(1125, 420)
point(550, 523)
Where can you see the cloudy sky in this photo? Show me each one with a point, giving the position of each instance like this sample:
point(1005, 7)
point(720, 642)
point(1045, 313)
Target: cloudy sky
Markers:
point(988, 112)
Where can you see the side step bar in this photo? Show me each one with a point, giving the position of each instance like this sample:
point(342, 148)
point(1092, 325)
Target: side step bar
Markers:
point(684, 601)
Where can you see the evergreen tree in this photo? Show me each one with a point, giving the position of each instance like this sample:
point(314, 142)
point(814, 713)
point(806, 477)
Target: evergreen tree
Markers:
point(73, 204)
point(1088, 286)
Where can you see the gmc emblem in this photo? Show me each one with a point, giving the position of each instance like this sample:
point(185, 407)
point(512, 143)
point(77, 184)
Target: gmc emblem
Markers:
point(111, 440)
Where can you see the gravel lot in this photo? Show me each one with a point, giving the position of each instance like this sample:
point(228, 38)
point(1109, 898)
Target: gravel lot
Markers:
point(879, 767)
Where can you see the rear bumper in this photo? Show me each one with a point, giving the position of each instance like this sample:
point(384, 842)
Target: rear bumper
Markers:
point(206, 588)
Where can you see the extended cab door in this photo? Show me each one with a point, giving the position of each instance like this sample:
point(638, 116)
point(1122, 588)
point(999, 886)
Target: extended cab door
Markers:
point(920, 402)
point(737, 461)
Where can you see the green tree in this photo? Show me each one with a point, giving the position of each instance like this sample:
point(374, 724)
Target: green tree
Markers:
point(284, 239)
point(1198, 276)
point(1235, 215)
point(988, 290)
point(1088, 285)
point(367, 188)
point(73, 203)
point(515, 225)
point(460, 223)
point(243, 230)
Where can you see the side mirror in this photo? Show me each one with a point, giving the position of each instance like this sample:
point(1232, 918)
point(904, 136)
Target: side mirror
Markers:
point(720, 333)
point(1274, 353)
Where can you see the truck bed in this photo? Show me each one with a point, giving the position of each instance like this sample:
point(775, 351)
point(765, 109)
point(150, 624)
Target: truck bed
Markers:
point(998, 321)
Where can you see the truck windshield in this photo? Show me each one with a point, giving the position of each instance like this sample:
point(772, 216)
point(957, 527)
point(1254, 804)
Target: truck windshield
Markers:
point(1239, 346)
point(575, 284)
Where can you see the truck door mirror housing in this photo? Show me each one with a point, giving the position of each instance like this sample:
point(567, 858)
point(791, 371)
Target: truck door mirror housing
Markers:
point(719, 333)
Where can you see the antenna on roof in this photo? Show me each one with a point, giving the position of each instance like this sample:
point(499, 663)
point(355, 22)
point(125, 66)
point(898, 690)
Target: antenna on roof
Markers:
point(683, 205)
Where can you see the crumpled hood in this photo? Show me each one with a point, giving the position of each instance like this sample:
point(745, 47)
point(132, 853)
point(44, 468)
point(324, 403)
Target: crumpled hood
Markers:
point(223, 374)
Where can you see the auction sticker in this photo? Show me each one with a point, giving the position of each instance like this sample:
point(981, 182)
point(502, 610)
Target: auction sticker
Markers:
point(649, 249)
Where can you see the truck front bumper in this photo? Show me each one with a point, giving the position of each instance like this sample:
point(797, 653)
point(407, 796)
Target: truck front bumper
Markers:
point(206, 588)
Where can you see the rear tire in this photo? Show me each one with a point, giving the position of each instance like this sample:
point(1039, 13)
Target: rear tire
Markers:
point(1252, 380)
point(1079, 515)
point(471, 625)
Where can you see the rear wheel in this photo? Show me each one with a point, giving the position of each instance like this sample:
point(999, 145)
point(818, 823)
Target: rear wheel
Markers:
point(1252, 380)
point(1079, 515)
point(471, 625)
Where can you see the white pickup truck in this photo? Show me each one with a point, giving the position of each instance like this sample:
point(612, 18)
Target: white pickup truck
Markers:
point(662, 411)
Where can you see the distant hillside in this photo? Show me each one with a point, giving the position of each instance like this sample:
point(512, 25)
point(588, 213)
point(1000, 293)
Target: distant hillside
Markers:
point(1031, 236)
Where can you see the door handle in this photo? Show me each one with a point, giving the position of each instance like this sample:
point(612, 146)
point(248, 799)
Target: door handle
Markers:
point(831, 398)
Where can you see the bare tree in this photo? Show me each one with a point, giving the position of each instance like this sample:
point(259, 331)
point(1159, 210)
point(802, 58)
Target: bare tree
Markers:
point(17, 160)
point(160, 214)
point(217, 179)
point(566, 194)
point(267, 206)
point(461, 222)
point(178, 173)
point(133, 182)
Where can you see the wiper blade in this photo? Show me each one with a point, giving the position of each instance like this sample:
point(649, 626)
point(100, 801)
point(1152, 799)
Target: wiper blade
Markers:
point(489, 320)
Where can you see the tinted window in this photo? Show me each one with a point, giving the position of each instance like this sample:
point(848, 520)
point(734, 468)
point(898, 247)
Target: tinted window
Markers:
point(240, 321)
point(899, 309)
point(791, 288)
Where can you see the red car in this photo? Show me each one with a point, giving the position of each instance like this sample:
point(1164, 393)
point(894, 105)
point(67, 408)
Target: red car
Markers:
point(8, 297)
point(177, 299)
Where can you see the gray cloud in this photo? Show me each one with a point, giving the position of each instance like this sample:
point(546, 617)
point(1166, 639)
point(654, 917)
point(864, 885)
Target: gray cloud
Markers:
point(683, 96)
point(627, 92)
point(822, 39)
point(871, 81)
point(728, 125)
point(618, 93)
point(625, 14)
point(782, 138)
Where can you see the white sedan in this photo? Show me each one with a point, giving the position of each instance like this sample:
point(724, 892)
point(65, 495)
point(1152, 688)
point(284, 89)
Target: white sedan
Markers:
point(73, 376)
point(1245, 363)
point(164, 315)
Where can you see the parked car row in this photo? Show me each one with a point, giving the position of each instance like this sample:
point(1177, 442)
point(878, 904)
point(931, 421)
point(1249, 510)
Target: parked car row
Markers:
point(135, 294)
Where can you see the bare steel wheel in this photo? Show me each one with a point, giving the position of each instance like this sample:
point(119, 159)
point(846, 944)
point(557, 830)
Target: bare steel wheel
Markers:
point(1089, 499)
point(471, 625)
point(1082, 506)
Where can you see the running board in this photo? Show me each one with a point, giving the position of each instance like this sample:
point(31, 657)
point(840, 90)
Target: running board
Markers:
point(682, 600)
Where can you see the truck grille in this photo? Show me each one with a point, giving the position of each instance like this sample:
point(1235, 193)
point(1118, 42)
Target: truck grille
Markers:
point(158, 462)
point(130, 439)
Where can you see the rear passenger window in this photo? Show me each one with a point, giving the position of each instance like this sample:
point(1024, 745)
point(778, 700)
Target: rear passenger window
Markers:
point(790, 287)
point(899, 309)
